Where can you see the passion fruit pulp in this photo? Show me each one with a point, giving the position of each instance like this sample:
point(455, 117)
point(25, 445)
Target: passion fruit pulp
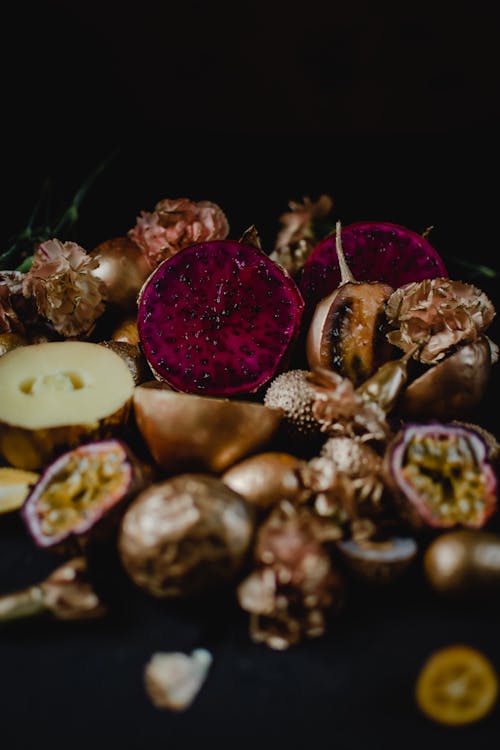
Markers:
point(78, 490)
point(442, 474)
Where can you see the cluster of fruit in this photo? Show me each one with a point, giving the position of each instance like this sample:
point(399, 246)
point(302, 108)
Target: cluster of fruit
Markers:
point(243, 423)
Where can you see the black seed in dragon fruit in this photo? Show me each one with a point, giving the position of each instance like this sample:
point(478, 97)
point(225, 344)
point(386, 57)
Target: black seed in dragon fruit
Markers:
point(374, 251)
point(219, 318)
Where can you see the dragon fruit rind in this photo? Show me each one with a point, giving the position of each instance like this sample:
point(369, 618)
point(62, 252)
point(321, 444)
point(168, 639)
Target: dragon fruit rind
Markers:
point(375, 251)
point(219, 318)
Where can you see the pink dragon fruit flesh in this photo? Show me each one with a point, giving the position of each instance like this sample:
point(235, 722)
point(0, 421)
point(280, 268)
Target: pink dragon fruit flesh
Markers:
point(375, 251)
point(218, 319)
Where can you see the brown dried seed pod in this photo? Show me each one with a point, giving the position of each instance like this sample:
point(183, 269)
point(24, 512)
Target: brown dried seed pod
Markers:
point(451, 389)
point(293, 393)
point(344, 334)
point(267, 478)
point(184, 535)
point(188, 432)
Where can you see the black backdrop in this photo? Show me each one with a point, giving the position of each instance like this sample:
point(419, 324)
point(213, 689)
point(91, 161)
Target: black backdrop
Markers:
point(393, 112)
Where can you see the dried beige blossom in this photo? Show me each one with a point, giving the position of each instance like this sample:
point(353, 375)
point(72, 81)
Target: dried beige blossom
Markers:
point(437, 314)
point(297, 237)
point(294, 585)
point(342, 412)
point(173, 680)
point(65, 290)
point(346, 481)
point(11, 283)
point(175, 224)
point(69, 594)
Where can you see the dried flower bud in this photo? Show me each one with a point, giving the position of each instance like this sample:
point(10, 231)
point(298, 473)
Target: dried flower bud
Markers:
point(175, 224)
point(297, 237)
point(294, 584)
point(64, 288)
point(437, 314)
point(173, 680)
point(346, 483)
point(342, 412)
point(66, 594)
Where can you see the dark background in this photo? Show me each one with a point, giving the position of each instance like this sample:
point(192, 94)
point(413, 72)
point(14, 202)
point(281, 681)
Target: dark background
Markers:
point(392, 111)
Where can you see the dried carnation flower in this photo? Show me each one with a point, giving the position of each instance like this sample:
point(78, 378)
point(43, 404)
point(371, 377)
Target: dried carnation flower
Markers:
point(437, 314)
point(11, 284)
point(342, 412)
point(175, 224)
point(297, 237)
point(294, 584)
point(64, 288)
point(173, 680)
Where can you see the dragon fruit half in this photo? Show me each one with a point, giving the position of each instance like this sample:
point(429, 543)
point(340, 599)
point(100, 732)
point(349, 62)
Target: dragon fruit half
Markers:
point(375, 251)
point(218, 318)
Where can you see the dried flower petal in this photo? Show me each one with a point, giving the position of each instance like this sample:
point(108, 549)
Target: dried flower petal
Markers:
point(65, 290)
point(345, 482)
point(297, 237)
point(69, 595)
point(437, 314)
point(175, 224)
point(11, 283)
point(173, 680)
point(341, 411)
point(294, 584)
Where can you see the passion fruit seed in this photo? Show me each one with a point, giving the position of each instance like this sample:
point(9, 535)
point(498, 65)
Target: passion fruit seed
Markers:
point(445, 470)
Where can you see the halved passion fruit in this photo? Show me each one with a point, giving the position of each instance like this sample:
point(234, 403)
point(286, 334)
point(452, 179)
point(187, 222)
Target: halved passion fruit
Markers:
point(79, 490)
point(57, 395)
point(442, 475)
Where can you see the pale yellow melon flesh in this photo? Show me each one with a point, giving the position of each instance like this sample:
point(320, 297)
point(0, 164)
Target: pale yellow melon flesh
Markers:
point(54, 395)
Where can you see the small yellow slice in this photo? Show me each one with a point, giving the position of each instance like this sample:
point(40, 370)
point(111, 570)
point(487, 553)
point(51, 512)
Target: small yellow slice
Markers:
point(457, 685)
point(15, 485)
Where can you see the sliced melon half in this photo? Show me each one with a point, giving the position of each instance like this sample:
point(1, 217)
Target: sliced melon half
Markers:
point(54, 396)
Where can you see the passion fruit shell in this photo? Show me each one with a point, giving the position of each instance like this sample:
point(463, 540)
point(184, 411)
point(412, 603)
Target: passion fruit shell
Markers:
point(441, 476)
point(79, 491)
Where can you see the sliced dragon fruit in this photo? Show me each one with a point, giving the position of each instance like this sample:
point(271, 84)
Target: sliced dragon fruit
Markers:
point(375, 251)
point(218, 318)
